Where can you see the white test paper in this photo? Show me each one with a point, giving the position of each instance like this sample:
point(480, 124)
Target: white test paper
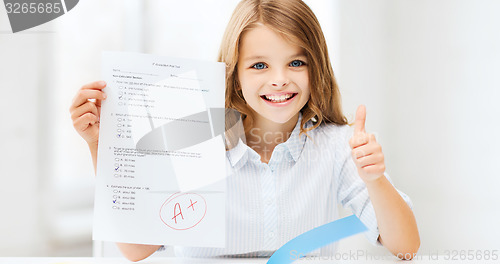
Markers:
point(161, 157)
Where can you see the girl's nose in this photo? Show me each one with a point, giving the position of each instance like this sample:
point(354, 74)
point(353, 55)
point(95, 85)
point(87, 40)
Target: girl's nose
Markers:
point(279, 79)
point(279, 84)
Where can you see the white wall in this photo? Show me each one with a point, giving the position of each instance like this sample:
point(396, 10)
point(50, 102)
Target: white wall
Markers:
point(22, 140)
point(428, 72)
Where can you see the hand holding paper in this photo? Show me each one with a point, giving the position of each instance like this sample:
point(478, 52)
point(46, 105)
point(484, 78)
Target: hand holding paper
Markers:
point(85, 113)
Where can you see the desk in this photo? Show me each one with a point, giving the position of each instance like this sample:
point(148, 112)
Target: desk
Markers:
point(386, 259)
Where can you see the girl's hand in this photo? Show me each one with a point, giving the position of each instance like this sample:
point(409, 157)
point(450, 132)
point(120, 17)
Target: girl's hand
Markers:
point(86, 109)
point(366, 151)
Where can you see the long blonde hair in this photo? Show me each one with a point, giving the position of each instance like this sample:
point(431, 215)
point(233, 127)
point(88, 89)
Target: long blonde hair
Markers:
point(296, 22)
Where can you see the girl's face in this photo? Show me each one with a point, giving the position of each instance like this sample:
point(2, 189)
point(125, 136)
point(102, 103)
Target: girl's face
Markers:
point(273, 75)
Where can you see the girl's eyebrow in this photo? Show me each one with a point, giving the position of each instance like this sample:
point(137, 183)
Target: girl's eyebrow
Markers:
point(302, 54)
point(254, 58)
point(258, 57)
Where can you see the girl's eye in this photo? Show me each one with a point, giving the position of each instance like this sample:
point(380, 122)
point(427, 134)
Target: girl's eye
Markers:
point(259, 66)
point(297, 63)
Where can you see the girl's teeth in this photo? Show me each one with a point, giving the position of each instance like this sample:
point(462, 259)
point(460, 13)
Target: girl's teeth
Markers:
point(279, 98)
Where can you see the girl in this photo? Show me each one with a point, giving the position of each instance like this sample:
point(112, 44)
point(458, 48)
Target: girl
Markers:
point(300, 157)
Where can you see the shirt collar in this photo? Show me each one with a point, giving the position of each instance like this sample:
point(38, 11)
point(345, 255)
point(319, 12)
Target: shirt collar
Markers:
point(294, 145)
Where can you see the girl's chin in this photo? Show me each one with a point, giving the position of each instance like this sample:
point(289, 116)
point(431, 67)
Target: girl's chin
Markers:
point(279, 119)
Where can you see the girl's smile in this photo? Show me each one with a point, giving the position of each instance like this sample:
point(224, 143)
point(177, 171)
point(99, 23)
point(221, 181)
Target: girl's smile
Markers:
point(279, 99)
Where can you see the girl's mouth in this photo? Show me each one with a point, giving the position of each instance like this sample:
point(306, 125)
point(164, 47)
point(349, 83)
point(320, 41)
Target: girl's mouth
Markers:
point(278, 98)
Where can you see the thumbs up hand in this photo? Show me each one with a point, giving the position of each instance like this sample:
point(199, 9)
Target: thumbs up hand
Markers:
point(366, 151)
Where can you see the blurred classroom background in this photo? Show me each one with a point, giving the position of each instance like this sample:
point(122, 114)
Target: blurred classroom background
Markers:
point(426, 70)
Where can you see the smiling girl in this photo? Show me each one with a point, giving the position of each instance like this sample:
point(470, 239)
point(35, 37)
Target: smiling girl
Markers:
point(300, 158)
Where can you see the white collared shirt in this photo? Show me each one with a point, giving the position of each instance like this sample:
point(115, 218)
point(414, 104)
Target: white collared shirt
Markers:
point(267, 205)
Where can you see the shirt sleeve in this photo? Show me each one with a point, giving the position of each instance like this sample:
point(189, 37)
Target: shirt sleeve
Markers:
point(353, 194)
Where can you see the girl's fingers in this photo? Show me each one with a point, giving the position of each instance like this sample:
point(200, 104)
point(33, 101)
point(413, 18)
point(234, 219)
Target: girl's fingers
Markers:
point(374, 159)
point(94, 85)
point(83, 122)
point(367, 155)
point(86, 107)
point(377, 169)
point(359, 139)
point(359, 121)
point(365, 150)
point(87, 92)
point(84, 95)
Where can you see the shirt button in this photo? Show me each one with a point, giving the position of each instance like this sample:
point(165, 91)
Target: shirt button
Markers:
point(269, 202)
point(271, 235)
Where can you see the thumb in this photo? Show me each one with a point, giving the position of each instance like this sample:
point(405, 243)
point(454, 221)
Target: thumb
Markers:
point(359, 121)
